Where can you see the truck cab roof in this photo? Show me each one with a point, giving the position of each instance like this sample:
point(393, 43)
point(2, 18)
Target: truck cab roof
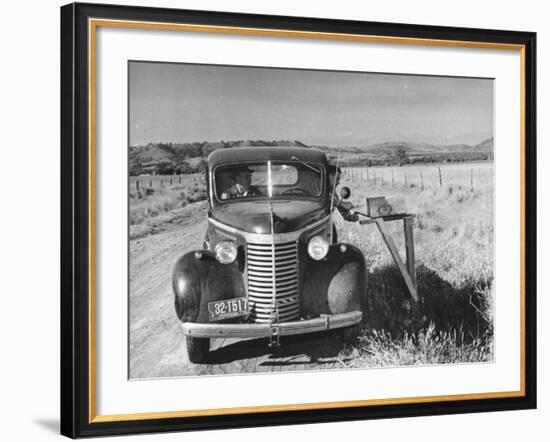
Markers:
point(265, 153)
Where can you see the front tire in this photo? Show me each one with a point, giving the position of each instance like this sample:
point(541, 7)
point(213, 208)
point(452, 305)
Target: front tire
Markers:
point(198, 349)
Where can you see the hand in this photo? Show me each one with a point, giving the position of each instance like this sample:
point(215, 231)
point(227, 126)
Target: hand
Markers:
point(351, 216)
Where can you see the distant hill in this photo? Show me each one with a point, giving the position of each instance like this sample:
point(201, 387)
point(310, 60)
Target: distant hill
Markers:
point(486, 146)
point(390, 148)
point(170, 158)
point(404, 152)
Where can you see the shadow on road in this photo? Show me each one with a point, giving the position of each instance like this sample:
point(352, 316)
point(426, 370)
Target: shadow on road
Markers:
point(321, 348)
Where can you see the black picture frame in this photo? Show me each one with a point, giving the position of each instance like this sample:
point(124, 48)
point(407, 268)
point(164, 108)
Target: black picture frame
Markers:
point(76, 403)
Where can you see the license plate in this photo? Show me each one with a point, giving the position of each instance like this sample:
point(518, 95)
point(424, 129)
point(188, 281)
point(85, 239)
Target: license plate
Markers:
point(227, 308)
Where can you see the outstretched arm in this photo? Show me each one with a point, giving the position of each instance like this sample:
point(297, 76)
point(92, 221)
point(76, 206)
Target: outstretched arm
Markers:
point(345, 209)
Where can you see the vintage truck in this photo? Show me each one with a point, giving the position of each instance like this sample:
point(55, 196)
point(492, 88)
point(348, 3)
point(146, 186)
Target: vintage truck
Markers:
point(271, 265)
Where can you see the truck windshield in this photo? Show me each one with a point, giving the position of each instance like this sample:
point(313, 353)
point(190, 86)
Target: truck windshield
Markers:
point(292, 179)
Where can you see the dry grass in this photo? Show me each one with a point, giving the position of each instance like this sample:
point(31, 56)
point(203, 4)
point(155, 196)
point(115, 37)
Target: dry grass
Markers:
point(153, 207)
point(427, 346)
point(454, 250)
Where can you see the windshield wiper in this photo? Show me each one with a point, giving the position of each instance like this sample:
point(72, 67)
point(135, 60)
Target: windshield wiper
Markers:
point(309, 166)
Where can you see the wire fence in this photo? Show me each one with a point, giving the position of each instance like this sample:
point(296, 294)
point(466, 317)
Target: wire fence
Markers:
point(143, 182)
point(473, 175)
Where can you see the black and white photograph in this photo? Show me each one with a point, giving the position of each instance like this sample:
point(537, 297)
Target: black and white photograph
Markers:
point(291, 219)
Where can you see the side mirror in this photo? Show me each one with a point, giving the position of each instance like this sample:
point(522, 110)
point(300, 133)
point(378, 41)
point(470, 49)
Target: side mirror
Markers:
point(345, 193)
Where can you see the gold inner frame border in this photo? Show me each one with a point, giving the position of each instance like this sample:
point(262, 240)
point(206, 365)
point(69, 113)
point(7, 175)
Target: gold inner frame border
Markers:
point(93, 24)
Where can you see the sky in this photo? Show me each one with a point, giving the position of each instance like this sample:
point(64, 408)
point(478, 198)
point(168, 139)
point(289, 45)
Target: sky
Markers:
point(172, 102)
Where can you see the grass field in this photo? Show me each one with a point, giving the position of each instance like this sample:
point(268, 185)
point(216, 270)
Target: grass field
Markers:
point(158, 200)
point(453, 230)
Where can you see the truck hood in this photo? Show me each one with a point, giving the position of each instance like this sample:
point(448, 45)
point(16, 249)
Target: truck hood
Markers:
point(254, 216)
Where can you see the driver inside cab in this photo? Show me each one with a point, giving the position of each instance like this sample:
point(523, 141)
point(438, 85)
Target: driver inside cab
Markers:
point(241, 187)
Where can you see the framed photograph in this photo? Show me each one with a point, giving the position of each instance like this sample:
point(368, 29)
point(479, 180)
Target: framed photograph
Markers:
point(274, 220)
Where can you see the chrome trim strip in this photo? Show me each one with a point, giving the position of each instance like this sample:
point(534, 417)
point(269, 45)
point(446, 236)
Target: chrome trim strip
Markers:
point(262, 330)
point(264, 287)
point(260, 280)
point(263, 294)
point(268, 238)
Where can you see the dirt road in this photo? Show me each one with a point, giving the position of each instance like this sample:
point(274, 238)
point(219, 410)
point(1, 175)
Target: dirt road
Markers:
point(157, 345)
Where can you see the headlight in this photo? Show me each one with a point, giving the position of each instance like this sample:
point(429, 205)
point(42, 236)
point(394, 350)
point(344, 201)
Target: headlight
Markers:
point(317, 247)
point(226, 252)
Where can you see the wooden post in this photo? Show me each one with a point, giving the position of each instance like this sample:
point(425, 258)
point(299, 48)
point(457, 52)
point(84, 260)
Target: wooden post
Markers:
point(374, 176)
point(421, 181)
point(440, 179)
point(161, 183)
point(367, 173)
point(151, 184)
point(170, 180)
point(392, 180)
point(397, 259)
point(137, 185)
point(472, 180)
point(179, 180)
point(409, 248)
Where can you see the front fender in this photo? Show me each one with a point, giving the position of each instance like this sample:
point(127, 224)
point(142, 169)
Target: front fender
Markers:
point(198, 278)
point(336, 284)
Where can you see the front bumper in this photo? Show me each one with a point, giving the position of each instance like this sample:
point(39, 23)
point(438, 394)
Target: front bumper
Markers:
point(322, 323)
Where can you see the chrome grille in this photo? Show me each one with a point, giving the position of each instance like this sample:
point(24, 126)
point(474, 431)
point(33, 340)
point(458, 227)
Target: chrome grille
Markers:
point(273, 271)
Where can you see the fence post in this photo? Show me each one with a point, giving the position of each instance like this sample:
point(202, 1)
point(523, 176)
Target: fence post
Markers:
point(179, 179)
point(409, 249)
point(392, 180)
point(367, 173)
point(472, 180)
point(421, 181)
point(137, 185)
point(161, 183)
point(170, 180)
point(440, 179)
point(151, 184)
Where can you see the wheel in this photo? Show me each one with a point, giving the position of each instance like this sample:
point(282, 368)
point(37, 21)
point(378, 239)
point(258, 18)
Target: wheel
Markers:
point(197, 349)
point(350, 334)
